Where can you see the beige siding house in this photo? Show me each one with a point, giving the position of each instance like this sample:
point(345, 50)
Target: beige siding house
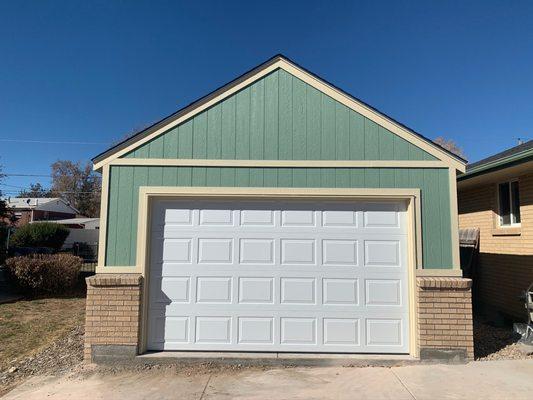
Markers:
point(496, 196)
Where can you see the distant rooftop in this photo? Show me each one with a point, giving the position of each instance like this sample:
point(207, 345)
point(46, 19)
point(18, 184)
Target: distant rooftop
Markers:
point(30, 202)
point(501, 155)
point(504, 159)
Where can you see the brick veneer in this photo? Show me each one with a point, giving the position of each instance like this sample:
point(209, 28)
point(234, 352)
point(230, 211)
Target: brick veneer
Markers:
point(445, 316)
point(112, 312)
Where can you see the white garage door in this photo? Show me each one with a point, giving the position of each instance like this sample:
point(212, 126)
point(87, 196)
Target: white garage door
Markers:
point(298, 276)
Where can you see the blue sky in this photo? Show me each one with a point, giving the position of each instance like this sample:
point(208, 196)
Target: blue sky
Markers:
point(93, 71)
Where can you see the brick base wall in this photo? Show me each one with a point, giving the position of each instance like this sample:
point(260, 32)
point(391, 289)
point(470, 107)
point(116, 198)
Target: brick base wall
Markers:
point(112, 313)
point(445, 317)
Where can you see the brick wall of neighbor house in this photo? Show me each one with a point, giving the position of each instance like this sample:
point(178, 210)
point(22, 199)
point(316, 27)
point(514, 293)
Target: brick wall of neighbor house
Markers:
point(505, 264)
point(112, 316)
point(38, 215)
point(445, 318)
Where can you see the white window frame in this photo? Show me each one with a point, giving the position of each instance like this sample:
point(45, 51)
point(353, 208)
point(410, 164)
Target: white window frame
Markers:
point(511, 215)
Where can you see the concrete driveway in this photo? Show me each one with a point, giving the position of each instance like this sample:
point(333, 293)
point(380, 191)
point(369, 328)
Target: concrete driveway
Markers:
point(487, 380)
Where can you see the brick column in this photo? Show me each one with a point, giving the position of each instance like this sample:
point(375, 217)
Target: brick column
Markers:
point(112, 319)
point(445, 318)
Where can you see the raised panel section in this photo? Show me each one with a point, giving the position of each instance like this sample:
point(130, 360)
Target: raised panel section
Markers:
point(256, 330)
point(215, 251)
point(170, 329)
point(340, 291)
point(216, 217)
point(298, 218)
point(382, 253)
point(256, 290)
point(177, 250)
point(298, 251)
point(257, 218)
point(213, 330)
point(178, 216)
point(298, 331)
point(341, 331)
point(339, 218)
point(339, 252)
point(386, 292)
point(257, 251)
point(213, 290)
point(384, 215)
point(173, 290)
point(384, 332)
point(298, 290)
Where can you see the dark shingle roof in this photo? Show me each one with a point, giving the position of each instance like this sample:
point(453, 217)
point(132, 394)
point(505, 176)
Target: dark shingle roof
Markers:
point(504, 154)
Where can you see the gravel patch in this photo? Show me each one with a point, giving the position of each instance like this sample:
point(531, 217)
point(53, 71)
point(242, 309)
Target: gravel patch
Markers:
point(496, 343)
point(57, 359)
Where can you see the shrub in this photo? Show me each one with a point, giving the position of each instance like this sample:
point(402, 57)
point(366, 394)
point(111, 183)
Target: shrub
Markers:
point(40, 234)
point(45, 273)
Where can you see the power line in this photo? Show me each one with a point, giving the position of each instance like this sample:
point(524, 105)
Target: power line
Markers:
point(50, 141)
point(55, 191)
point(35, 175)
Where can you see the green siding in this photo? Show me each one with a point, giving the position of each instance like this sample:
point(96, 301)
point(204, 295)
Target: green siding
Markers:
point(126, 180)
point(280, 117)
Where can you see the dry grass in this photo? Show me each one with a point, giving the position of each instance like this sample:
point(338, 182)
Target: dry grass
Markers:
point(27, 326)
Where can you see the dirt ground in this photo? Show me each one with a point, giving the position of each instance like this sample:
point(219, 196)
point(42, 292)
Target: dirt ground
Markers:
point(40, 336)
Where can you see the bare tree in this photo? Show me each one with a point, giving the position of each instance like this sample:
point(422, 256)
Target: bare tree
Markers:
point(78, 184)
point(35, 190)
point(451, 146)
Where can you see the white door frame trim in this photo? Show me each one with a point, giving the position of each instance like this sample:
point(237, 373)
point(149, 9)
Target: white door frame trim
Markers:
point(414, 242)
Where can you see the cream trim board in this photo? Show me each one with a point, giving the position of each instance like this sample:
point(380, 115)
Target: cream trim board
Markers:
point(454, 215)
point(104, 199)
point(439, 272)
point(261, 192)
point(146, 193)
point(126, 269)
point(317, 84)
point(171, 162)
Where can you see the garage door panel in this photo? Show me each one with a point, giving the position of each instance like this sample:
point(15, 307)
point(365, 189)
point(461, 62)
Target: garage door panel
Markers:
point(278, 276)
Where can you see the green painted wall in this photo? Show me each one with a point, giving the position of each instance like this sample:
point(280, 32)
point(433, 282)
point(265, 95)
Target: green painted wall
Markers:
point(126, 180)
point(280, 117)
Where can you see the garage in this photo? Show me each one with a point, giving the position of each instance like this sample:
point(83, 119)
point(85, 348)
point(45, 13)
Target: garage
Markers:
point(278, 214)
point(279, 275)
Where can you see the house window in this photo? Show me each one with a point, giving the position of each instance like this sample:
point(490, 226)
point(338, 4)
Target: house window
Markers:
point(509, 203)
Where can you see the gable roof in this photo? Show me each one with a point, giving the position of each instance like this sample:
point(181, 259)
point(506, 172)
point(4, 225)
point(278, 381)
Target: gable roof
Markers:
point(278, 61)
point(510, 157)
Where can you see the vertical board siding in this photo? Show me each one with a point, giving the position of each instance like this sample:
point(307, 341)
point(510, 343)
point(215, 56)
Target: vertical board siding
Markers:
point(126, 180)
point(280, 117)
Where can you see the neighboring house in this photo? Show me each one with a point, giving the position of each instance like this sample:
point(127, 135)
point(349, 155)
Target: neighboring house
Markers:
point(496, 196)
point(25, 210)
point(82, 230)
point(279, 214)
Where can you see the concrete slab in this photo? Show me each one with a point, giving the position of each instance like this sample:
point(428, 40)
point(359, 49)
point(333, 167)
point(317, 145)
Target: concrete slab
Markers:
point(275, 359)
point(477, 380)
point(153, 385)
point(486, 380)
point(308, 384)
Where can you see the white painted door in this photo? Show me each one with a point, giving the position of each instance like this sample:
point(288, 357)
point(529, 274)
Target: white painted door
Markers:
point(297, 276)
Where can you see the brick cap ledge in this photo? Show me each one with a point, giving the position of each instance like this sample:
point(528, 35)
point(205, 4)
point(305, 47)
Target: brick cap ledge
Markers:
point(427, 282)
point(114, 280)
